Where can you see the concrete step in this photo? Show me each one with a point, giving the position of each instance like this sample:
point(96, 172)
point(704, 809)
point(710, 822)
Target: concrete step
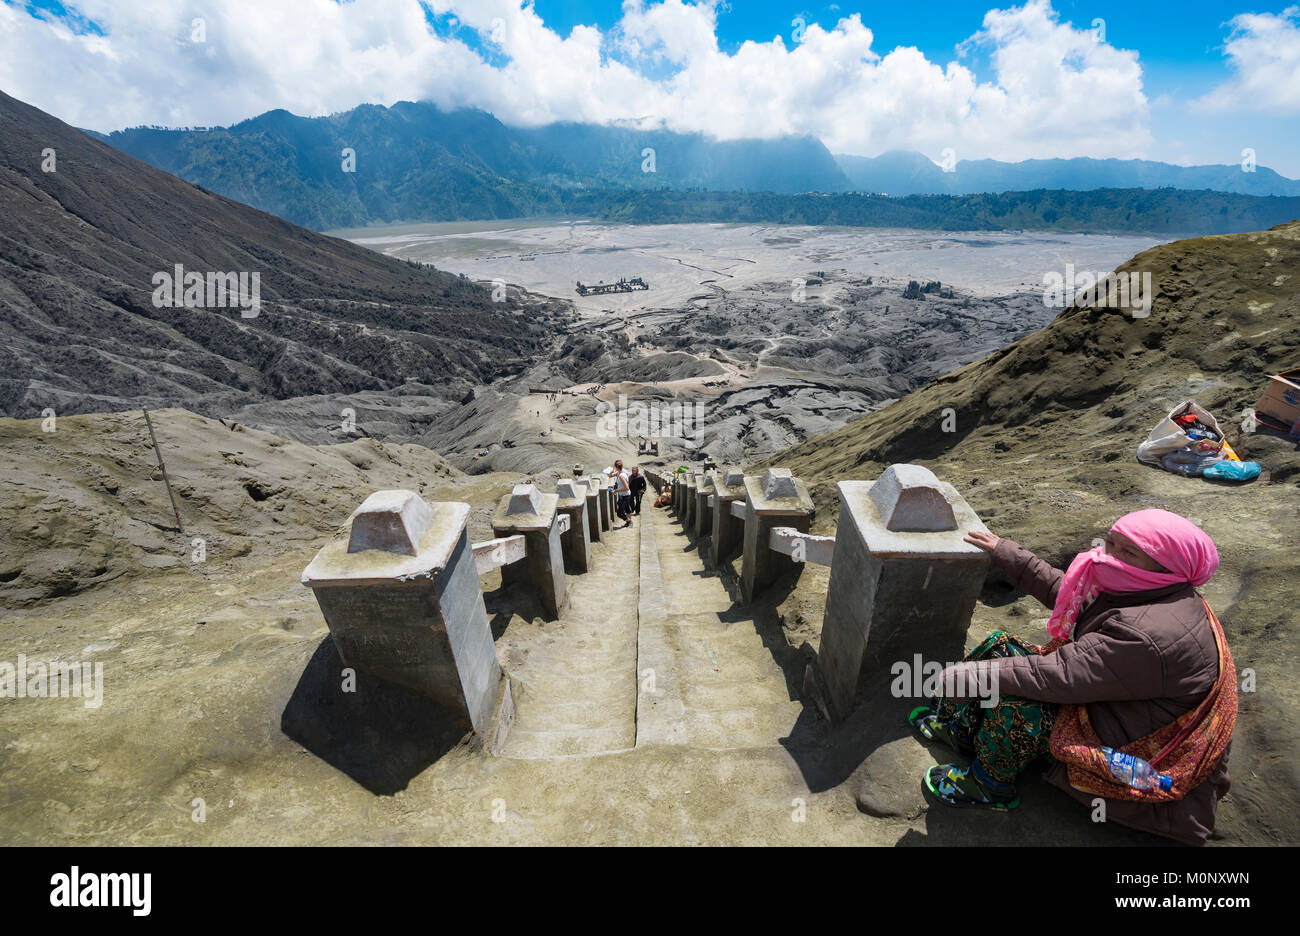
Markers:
point(525, 744)
point(715, 685)
point(576, 678)
point(753, 726)
point(575, 716)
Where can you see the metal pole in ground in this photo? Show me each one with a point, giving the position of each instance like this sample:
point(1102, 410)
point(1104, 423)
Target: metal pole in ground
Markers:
point(149, 422)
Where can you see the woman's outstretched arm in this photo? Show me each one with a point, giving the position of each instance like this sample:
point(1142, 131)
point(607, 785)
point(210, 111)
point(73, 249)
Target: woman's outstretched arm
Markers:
point(1025, 570)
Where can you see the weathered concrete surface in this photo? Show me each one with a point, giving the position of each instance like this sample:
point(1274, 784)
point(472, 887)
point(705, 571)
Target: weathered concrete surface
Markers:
point(774, 500)
point(894, 593)
point(576, 540)
point(728, 530)
point(604, 501)
point(707, 680)
point(575, 679)
point(411, 613)
point(702, 521)
point(533, 514)
point(593, 508)
point(495, 553)
point(392, 521)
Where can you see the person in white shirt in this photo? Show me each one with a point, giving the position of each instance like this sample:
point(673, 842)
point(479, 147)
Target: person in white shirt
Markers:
point(622, 494)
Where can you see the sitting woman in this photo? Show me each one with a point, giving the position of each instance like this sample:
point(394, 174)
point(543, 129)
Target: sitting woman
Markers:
point(1138, 663)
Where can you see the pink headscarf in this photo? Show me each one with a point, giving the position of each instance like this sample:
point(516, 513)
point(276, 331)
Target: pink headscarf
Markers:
point(1173, 541)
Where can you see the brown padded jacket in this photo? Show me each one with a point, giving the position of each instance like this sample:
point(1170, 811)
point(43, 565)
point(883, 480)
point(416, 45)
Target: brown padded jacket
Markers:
point(1137, 661)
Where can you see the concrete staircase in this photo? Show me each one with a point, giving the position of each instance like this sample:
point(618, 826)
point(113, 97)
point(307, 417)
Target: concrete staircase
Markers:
point(651, 649)
point(574, 680)
point(705, 678)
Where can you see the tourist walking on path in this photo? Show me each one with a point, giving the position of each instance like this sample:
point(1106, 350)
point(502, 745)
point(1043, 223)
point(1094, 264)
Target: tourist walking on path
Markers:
point(637, 484)
point(1137, 663)
point(622, 494)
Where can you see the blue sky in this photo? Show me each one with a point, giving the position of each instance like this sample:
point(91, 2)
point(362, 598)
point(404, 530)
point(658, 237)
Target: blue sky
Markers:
point(1192, 82)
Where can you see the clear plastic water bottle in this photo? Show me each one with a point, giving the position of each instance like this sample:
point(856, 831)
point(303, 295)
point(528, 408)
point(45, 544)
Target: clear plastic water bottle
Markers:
point(1134, 771)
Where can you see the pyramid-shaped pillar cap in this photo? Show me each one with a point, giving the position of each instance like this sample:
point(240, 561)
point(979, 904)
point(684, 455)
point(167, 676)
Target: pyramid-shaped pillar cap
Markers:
point(392, 521)
point(525, 499)
point(778, 483)
point(567, 489)
point(909, 498)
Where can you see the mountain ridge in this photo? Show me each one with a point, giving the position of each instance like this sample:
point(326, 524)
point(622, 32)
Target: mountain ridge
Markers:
point(84, 243)
point(424, 163)
point(906, 172)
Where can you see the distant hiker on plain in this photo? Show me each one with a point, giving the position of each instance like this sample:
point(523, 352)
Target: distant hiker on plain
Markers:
point(637, 484)
point(1138, 663)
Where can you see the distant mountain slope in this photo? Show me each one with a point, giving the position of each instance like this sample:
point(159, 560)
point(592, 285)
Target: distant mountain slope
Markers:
point(1226, 315)
point(416, 162)
point(79, 249)
point(1104, 211)
point(910, 173)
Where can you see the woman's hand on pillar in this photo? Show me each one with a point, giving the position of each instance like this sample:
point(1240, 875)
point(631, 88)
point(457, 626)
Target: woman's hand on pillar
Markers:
point(985, 541)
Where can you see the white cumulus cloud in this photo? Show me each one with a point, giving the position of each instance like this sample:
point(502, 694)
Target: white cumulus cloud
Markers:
point(1264, 52)
point(1052, 89)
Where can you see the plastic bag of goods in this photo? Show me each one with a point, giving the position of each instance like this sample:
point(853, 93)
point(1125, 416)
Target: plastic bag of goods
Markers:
point(1175, 447)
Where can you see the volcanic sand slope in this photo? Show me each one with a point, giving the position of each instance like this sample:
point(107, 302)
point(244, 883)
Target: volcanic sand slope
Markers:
point(80, 245)
point(220, 682)
point(219, 678)
point(83, 506)
point(1045, 451)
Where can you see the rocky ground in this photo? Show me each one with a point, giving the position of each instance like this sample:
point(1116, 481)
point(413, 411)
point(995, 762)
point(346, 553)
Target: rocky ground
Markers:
point(220, 683)
point(768, 369)
point(1044, 448)
point(217, 670)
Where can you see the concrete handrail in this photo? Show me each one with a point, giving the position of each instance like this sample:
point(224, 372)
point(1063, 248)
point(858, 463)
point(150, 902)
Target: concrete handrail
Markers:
point(902, 578)
point(802, 547)
point(495, 553)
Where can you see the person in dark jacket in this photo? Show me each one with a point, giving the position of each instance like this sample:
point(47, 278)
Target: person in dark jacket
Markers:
point(1134, 646)
point(637, 484)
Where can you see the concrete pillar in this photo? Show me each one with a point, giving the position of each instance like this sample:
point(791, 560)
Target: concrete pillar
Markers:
point(592, 493)
point(576, 541)
point(608, 488)
point(688, 502)
point(677, 493)
point(903, 581)
point(728, 531)
point(602, 499)
point(776, 499)
point(702, 524)
point(402, 601)
point(528, 511)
